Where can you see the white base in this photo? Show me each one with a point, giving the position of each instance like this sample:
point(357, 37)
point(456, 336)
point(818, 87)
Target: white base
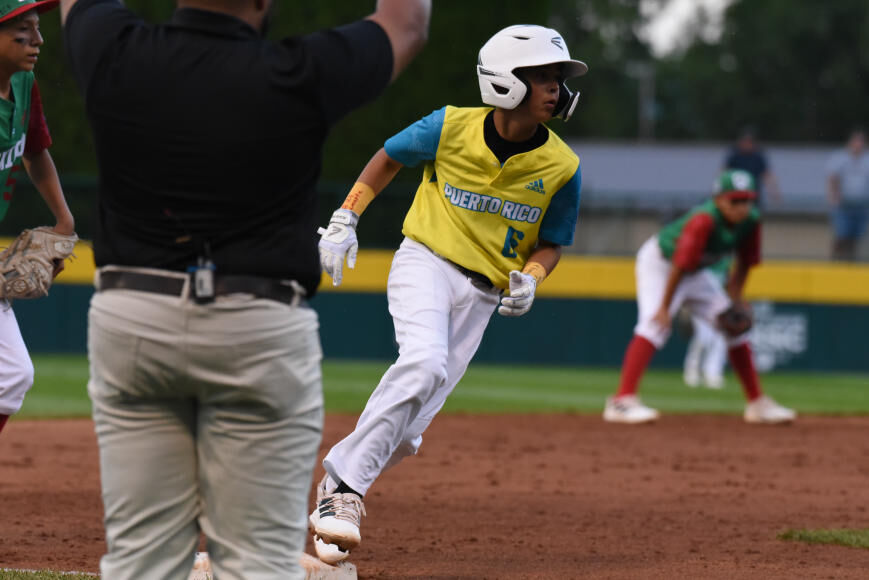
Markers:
point(314, 569)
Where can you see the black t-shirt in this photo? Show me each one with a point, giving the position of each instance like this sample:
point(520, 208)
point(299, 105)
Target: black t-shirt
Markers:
point(208, 135)
point(504, 149)
point(754, 162)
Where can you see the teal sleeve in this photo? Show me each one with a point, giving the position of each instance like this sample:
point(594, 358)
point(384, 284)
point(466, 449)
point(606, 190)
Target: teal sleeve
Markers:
point(559, 222)
point(419, 142)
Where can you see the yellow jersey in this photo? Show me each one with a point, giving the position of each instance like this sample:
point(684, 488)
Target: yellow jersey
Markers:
point(476, 212)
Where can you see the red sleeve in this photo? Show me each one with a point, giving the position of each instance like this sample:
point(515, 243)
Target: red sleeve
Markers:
point(38, 137)
point(692, 241)
point(749, 250)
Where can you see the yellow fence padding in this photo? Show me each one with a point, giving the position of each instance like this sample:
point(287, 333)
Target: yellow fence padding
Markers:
point(595, 277)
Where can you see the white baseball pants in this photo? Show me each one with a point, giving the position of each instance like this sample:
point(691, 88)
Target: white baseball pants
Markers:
point(700, 291)
point(707, 350)
point(439, 317)
point(16, 368)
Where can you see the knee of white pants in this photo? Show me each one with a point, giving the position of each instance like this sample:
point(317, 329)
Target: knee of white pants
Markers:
point(426, 366)
point(653, 333)
point(15, 381)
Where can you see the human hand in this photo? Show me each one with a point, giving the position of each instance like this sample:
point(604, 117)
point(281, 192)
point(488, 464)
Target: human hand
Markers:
point(338, 241)
point(522, 288)
point(65, 225)
point(736, 320)
point(662, 317)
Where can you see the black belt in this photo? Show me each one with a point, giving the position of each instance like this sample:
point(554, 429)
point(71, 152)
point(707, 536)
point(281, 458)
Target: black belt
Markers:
point(269, 288)
point(474, 276)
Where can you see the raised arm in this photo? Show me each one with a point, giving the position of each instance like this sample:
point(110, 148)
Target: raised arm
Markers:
point(65, 7)
point(406, 24)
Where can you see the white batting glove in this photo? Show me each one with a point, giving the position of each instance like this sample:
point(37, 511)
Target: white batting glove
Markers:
point(338, 241)
point(522, 287)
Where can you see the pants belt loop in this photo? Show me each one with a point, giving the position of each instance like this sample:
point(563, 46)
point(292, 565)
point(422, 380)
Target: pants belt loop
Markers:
point(298, 294)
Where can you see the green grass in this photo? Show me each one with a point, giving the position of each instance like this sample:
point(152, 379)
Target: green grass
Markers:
point(843, 537)
point(60, 389)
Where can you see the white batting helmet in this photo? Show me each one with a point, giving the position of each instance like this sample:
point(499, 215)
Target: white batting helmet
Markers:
point(519, 46)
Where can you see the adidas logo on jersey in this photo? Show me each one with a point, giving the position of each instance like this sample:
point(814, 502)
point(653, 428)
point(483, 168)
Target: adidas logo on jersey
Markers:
point(536, 185)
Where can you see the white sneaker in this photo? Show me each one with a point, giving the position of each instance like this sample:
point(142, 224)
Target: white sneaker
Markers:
point(715, 382)
point(336, 521)
point(692, 378)
point(628, 409)
point(329, 553)
point(765, 410)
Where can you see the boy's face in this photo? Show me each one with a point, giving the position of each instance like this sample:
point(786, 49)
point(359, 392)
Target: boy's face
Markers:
point(544, 82)
point(19, 43)
point(734, 209)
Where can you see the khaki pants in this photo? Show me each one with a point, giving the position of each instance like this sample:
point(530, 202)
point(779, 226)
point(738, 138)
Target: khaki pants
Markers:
point(208, 418)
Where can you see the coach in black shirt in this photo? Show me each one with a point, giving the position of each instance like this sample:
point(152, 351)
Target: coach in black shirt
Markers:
point(205, 361)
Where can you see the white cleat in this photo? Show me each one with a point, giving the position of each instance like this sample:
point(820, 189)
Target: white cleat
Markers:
point(628, 409)
point(335, 524)
point(329, 553)
point(715, 382)
point(765, 410)
point(691, 378)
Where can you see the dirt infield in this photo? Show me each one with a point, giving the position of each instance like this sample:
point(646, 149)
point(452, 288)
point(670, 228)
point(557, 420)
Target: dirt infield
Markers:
point(526, 497)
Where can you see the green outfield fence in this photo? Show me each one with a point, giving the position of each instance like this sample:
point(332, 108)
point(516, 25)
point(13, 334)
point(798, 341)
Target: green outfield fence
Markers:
point(563, 331)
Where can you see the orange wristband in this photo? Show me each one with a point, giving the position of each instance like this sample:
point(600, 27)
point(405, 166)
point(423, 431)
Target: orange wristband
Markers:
point(535, 269)
point(359, 197)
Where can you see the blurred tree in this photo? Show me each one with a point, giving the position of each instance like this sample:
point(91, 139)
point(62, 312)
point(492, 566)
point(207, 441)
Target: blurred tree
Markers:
point(604, 34)
point(442, 74)
point(796, 71)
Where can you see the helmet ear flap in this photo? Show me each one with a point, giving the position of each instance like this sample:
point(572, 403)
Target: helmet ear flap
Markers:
point(504, 90)
point(567, 101)
point(518, 74)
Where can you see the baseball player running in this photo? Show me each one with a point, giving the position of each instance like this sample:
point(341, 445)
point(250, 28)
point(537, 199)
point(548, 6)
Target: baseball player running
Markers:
point(670, 272)
point(499, 197)
point(24, 140)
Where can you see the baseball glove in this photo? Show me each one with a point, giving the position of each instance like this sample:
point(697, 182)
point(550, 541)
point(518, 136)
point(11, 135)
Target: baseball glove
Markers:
point(736, 320)
point(28, 266)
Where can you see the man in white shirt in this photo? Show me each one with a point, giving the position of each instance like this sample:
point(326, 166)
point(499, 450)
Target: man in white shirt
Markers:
point(848, 189)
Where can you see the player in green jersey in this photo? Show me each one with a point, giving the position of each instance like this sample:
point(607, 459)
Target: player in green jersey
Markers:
point(672, 270)
point(24, 142)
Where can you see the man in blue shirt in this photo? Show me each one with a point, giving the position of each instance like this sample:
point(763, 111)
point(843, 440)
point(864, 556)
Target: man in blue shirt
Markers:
point(747, 155)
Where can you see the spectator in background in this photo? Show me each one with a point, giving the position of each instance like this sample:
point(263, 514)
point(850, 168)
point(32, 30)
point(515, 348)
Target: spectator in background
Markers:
point(848, 188)
point(747, 155)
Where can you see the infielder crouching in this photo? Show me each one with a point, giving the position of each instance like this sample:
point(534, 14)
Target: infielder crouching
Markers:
point(670, 272)
point(499, 197)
